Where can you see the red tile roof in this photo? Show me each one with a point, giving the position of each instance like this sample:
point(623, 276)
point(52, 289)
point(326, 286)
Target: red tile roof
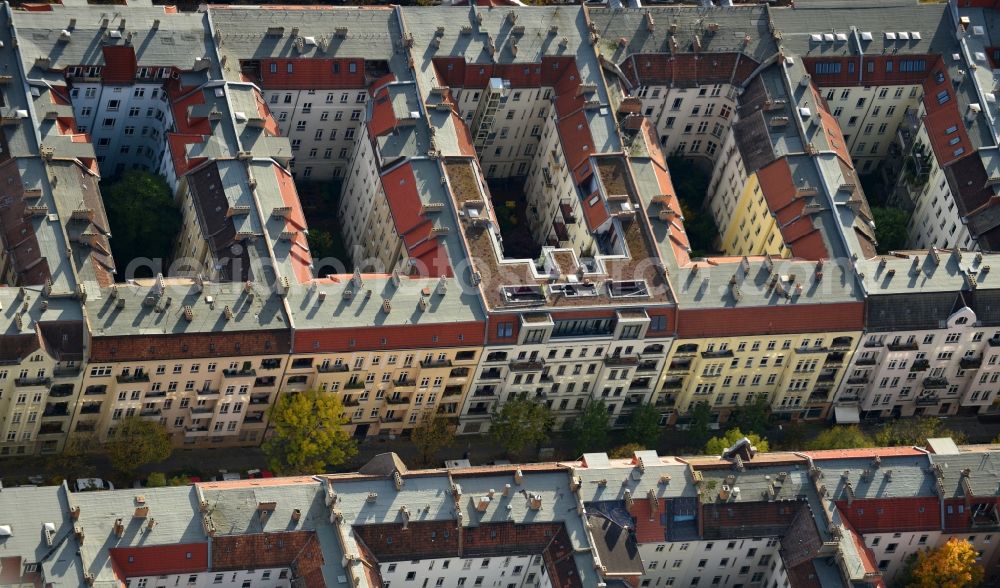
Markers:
point(295, 222)
point(879, 515)
point(646, 530)
point(760, 320)
point(130, 562)
point(436, 335)
point(797, 228)
point(412, 226)
point(119, 64)
point(204, 345)
point(312, 74)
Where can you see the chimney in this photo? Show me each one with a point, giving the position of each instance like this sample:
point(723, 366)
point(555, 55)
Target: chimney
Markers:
point(397, 481)
point(506, 490)
point(386, 305)
point(78, 532)
point(188, 313)
point(483, 503)
point(518, 477)
point(535, 502)
point(629, 503)
point(141, 512)
point(119, 528)
point(405, 513)
point(296, 515)
point(227, 312)
point(442, 286)
point(372, 497)
point(422, 303)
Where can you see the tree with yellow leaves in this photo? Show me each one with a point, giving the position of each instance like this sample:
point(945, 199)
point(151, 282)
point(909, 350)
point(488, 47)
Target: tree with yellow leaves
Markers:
point(952, 565)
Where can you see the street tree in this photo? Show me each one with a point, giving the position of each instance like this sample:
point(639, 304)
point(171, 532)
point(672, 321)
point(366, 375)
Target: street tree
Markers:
point(752, 416)
point(952, 565)
point(644, 426)
point(309, 434)
point(520, 423)
point(136, 442)
point(431, 435)
point(717, 445)
point(841, 437)
point(914, 431)
point(590, 431)
point(701, 419)
point(625, 451)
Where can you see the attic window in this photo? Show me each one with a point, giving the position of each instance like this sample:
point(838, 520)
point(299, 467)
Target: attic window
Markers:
point(951, 129)
point(290, 67)
point(352, 67)
point(187, 555)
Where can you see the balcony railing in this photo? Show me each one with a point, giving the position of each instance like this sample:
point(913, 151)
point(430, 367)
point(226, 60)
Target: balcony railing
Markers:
point(968, 363)
point(920, 365)
point(619, 360)
point(398, 400)
point(857, 380)
point(354, 386)
point(208, 392)
point(254, 418)
point(994, 342)
point(32, 382)
point(716, 354)
point(676, 384)
point(865, 361)
point(66, 372)
point(404, 383)
point(484, 393)
point(332, 368)
point(646, 366)
point(150, 412)
point(904, 346)
point(250, 373)
point(156, 394)
point(526, 366)
point(201, 410)
point(935, 383)
point(435, 363)
point(132, 378)
point(391, 419)
point(927, 400)
point(350, 402)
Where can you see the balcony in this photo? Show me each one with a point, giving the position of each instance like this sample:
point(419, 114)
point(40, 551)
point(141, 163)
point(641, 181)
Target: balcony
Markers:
point(66, 372)
point(201, 410)
point(491, 374)
point(196, 432)
point(23, 382)
point(90, 408)
point(95, 390)
point(479, 410)
point(332, 368)
point(934, 383)
point(354, 386)
point(254, 418)
point(857, 380)
point(59, 409)
point(246, 373)
point(398, 399)
point(679, 367)
point(459, 372)
point(904, 346)
point(350, 402)
point(927, 400)
point(866, 361)
point(208, 392)
point(132, 378)
point(452, 391)
point(150, 412)
point(874, 343)
point(666, 400)
point(484, 393)
point(50, 429)
point(260, 398)
point(61, 391)
point(435, 363)
point(920, 365)
point(835, 358)
point(993, 342)
point(686, 349)
point(647, 366)
point(619, 360)
point(391, 419)
point(156, 394)
point(819, 395)
point(826, 377)
point(968, 363)
point(526, 366)
point(673, 384)
point(716, 354)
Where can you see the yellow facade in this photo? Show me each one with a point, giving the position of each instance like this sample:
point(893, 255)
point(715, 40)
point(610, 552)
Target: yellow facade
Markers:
point(798, 374)
point(753, 230)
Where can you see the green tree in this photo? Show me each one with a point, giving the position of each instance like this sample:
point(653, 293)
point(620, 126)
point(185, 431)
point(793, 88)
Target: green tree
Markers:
point(701, 419)
point(136, 442)
point(841, 437)
point(308, 433)
point(143, 217)
point(181, 480)
point(752, 416)
point(914, 431)
point(625, 451)
point(644, 426)
point(951, 565)
point(520, 423)
point(156, 480)
point(74, 461)
point(590, 431)
point(431, 435)
point(890, 228)
point(717, 445)
point(320, 243)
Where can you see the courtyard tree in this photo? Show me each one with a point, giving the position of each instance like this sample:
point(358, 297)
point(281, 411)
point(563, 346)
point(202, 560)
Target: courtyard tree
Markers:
point(431, 435)
point(590, 430)
point(890, 228)
point(136, 442)
point(717, 445)
point(520, 423)
point(753, 415)
point(952, 565)
point(308, 434)
point(625, 451)
point(143, 217)
point(644, 426)
point(914, 431)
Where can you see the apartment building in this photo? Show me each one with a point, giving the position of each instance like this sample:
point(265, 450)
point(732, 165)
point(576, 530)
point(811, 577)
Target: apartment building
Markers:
point(927, 351)
point(823, 518)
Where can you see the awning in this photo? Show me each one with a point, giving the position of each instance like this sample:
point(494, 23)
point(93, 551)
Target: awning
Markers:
point(846, 414)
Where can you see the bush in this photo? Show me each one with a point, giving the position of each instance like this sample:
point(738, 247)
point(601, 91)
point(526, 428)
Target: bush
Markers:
point(156, 480)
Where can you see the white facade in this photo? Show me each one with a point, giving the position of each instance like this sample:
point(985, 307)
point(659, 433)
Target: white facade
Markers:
point(257, 578)
point(932, 372)
point(690, 121)
point(513, 140)
point(523, 571)
point(322, 126)
point(747, 562)
point(869, 117)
